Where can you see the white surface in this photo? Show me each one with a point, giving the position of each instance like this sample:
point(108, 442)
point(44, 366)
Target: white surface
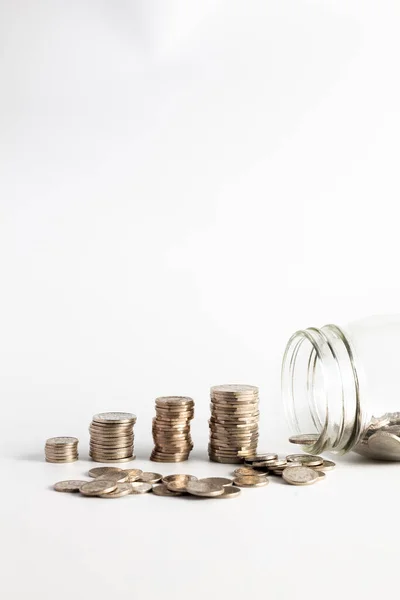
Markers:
point(182, 186)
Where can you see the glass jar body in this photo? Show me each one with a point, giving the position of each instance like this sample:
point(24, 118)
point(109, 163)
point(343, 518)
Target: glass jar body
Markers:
point(341, 385)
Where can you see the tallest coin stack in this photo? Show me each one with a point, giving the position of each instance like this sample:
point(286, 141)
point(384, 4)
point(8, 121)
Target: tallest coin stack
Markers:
point(233, 423)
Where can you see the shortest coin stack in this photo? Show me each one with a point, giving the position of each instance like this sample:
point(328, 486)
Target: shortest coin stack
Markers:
point(171, 429)
point(61, 449)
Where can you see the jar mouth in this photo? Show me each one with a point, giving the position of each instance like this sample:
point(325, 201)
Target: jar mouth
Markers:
point(320, 389)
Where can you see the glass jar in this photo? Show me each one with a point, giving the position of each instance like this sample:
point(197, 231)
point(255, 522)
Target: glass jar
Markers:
point(341, 387)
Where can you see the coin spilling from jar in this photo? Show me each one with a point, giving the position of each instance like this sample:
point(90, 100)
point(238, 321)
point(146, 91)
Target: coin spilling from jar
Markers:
point(381, 439)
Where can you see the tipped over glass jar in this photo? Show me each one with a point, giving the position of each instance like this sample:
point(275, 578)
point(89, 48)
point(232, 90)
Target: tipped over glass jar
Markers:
point(341, 387)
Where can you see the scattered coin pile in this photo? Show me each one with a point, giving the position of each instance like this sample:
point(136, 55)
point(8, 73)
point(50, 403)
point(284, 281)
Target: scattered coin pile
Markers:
point(61, 449)
point(381, 440)
point(111, 482)
point(233, 423)
point(295, 469)
point(111, 437)
point(171, 429)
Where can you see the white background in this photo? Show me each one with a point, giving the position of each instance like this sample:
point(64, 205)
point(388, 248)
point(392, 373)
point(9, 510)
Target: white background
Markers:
point(182, 185)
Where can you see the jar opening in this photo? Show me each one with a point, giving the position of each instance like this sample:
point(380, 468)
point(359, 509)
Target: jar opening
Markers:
point(321, 390)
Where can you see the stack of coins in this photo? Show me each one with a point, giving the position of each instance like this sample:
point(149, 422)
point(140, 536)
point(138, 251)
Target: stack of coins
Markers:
point(111, 437)
point(61, 449)
point(233, 423)
point(171, 429)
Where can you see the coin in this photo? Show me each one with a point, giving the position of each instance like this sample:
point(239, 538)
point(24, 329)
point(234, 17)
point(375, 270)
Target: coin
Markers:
point(395, 429)
point(161, 459)
point(133, 474)
point(96, 487)
point(233, 388)
point(321, 474)
point(62, 442)
point(250, 481)
point(204, 488)
point(71, 485)
point(327, 465)
point(169, 401)
point(304, 439)
point(64, 460)
point(97, 471)
point(179, 485)
point(288, 465)
point(244, 471)
point(300, 476)
point(384, 446)
point(150, 477)
point(122, 489)
point(117, 477)
point(306, 459)
point(225, 460)
point(218, 480)
point(270, 456)
point(113, 444)
point(162, 490)
point(230, 491)
point(113, 460)
point(114, 417)
point(175, 477)
point(139, 487)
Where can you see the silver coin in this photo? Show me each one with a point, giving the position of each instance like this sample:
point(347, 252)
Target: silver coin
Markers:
point(168, 478)
point(308, 460)
point(327, 465)
point(71, 485)
point(384, 446)
point(250, 481)
point(395, 429)
point(234, 389)
point(300, 476)
point(244, 471)
point(271, 464)
point(62, 441)
point(139, 487)
point(133, 474)
point(270, 456)
point(304, 439)
point(204, 488)
point(150, 477)
point(97, 471)
point(117, 477)
point(218, 480)
point(114, 417)
point(100, 458)
point(122, 489)
point(162, 490)
point(287, 465)
point(230, 491)
point(96, 487)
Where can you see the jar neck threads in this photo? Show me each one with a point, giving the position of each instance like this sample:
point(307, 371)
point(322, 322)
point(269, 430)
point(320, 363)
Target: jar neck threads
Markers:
point(321, 388)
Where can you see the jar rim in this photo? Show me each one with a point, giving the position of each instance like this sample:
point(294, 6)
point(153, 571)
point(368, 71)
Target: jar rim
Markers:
point(333, 408)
